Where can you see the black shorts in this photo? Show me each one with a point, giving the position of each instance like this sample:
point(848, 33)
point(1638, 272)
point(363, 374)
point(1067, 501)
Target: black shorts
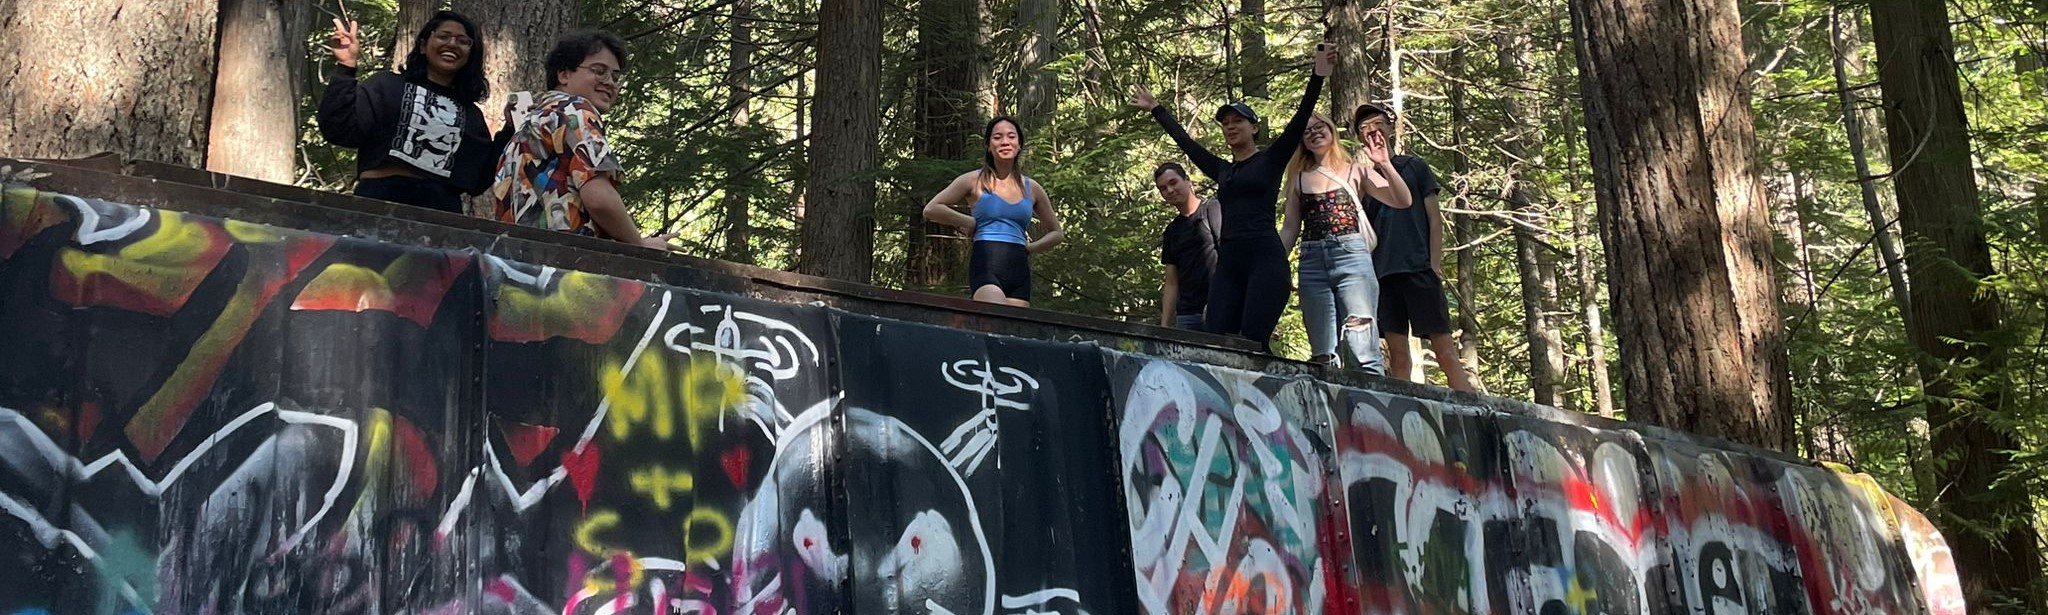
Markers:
point(1412, 303)
point(1004, 264)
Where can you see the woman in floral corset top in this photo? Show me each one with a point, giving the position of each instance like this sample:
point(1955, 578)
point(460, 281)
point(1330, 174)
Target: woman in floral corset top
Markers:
point(1325, 211)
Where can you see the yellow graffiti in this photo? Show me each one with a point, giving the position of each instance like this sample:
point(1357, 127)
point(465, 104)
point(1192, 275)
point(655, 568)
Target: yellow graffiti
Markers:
point(717, 523)
point(164, 266)
point(586, 532)
point(661, 485)
point(1579, 596)
point(603, 579)
point(651, 397)
point(707, 535)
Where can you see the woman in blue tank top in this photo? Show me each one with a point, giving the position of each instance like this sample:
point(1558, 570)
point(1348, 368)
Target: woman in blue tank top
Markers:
point(1003, 203)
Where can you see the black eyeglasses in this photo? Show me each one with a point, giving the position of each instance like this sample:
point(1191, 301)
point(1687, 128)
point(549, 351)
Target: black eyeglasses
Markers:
point(459, 40)
point(603, 71)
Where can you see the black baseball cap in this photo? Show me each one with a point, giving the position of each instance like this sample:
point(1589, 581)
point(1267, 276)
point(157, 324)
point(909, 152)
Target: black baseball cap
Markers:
point(1358, 115)
point(1238, 107)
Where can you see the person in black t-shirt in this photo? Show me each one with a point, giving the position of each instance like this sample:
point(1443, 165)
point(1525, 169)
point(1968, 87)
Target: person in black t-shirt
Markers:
point(1249, 288)
point(1187, 248)
point(419, 136)
point(1410, 261)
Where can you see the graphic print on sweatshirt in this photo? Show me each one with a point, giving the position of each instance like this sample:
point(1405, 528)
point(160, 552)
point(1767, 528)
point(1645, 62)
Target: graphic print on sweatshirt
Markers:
point(432, 130)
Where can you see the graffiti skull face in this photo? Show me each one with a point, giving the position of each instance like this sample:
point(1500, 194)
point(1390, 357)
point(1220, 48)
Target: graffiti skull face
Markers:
point(913, 535)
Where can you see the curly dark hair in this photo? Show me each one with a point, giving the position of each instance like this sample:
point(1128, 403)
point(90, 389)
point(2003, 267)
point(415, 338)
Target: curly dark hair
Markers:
point(572, 49)
point(469, 84)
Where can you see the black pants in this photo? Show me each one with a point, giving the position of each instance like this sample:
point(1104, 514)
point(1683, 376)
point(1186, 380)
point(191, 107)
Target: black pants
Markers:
point(1248, 291)
point(411, 191)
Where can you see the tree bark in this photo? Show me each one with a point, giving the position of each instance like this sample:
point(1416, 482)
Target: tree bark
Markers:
point(839, 222)
point(1358, 28)
point(946, 116)
point(799, 188)
point(1589, 305)
point(1464, 228)
point(1684, 217)
point(739, 86)
point(1037, 88)
point(412, 15)
point(1955, 317)
point(133, 77)
point(254, 130)
point(517, 37)
point(1253, 67)
point(1546, 347)
point(1853, 125)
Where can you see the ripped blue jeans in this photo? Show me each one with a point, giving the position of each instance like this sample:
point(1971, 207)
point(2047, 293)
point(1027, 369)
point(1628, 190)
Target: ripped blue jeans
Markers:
point(1340, 292)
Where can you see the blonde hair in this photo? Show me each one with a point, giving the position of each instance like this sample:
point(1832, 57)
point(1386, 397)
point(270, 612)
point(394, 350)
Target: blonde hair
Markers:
point(1304, 159)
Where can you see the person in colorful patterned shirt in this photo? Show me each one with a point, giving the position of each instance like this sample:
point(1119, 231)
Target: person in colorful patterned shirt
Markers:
point(559, 172)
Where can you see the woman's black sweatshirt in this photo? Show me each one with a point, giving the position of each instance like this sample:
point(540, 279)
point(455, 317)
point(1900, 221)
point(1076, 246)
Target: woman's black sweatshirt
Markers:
point(1249, 190)
point(390, 119)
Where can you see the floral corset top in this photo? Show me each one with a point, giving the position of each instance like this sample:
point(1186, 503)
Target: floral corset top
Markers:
point(1327, 214)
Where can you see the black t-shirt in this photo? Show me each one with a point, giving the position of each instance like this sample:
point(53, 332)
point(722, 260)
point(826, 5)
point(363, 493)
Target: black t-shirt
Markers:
point(1404, 233)
point(1249, 191)
point(1189, 244)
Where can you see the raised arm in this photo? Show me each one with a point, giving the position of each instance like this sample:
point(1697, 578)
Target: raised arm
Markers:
point(1379, 177)
point(1210, 164)
point(1290, 138)
point(940, 210)
point(345, 116)
point(1050, 234)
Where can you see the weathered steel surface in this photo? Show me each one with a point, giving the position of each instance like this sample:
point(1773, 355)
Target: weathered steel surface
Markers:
point(247, 398)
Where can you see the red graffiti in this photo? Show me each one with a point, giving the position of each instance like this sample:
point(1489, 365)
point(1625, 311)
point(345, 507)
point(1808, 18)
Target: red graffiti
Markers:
point(581, 464)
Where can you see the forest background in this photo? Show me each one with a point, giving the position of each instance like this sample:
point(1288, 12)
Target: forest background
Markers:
point(1879, 189)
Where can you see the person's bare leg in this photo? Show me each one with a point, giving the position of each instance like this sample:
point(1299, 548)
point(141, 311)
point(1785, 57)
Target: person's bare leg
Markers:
point(1018, 302)
point(1400, 363)
point(1446, 350)
point(990, 293)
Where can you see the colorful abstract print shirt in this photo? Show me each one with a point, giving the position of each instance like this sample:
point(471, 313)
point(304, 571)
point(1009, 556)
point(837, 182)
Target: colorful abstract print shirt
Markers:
point(542, 172)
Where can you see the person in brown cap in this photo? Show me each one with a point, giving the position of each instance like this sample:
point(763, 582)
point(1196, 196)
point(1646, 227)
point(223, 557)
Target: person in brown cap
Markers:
point(1410, 260)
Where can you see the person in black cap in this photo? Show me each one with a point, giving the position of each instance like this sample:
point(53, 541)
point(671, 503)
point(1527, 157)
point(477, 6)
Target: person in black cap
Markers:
point(1249, 288)
point(1410, 260)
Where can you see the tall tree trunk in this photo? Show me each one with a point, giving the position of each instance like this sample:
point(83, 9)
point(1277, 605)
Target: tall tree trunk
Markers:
point(946, 115)
point(1544, 368)
point(1358, 27)
point(739, 87)
point(1464, 227)
point(254, 131)
point(412, 15)
point(1955, 316)
point(1037, 87)
point(133, 77)
point(1546, 348)
point(1253, 68)
point(839, 223)
point(799, 188)
point(1683, 217)
point(1589, 305)
point(517, 37)
point(1853, 125)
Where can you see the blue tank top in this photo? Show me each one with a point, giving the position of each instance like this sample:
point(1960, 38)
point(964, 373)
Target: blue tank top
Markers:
point(996, 219)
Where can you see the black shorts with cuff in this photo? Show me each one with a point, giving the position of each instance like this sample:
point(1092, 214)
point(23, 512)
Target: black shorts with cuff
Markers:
point(1412, 303)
